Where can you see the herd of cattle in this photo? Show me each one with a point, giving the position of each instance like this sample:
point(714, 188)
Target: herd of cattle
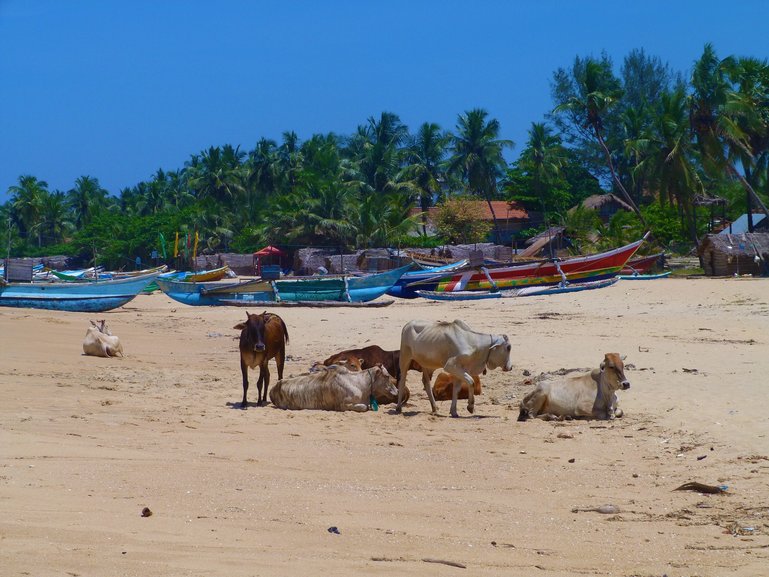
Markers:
point(357, 379)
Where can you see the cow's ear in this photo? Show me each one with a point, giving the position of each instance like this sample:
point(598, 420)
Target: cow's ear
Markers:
point(240, 326)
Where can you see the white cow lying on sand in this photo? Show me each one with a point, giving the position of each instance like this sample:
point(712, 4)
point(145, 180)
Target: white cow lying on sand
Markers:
point(589, 395)
point(457, 349)
point(333, 388)
point(100, 342)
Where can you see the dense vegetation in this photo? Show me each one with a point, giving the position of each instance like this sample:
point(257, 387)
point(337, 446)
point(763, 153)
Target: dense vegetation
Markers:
point(660, 142)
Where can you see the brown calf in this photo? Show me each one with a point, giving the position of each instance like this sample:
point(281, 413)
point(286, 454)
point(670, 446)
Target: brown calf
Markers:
point(444, 383)
point(372, 356)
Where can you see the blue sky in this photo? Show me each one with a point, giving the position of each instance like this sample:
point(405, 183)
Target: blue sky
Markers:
point(116, 89)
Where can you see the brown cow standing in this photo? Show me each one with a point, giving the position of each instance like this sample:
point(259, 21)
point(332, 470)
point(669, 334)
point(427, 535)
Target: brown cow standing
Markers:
point(372, 356)
point(262, 337)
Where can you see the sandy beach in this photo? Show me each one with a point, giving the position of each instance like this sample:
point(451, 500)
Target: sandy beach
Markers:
point(86, 443)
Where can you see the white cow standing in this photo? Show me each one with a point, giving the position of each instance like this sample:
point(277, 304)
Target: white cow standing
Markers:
point(457, 349)
point(100, 342)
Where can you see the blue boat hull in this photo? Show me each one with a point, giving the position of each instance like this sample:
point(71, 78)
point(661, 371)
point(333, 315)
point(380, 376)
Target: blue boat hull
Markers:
point(95, 296)
point(78, 304)
point(359, 289)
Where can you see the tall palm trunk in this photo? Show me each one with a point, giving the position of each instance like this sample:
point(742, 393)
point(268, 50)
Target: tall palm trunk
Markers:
point(494, 220)
point(609, 161)
point(749, 189)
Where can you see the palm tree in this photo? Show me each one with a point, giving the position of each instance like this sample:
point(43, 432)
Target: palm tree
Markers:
point(27, 201)
point(425, 157)
point(477, 155)
point(217, 174)
point(55, 221)
point(723, 119)
point(379, 219)
point(86, 199)
point(593, 102)
point(667, 157)
point(751, 101)
point(542, 160)
point(376, 148)
point(289, 160)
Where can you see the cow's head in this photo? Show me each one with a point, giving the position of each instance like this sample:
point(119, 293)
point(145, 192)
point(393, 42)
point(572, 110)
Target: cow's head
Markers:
point(382, 385)
point(614, 371)
point(252, 331)
point(101, 326)
point(352, 363)
point(499, 353)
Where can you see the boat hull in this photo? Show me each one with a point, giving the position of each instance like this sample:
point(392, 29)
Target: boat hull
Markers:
point(80, 305)
point(358, 289)
point(583, 269)
point(94, 296)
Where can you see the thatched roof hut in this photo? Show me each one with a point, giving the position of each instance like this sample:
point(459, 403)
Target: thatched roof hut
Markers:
point(606, 205)
point(730, 254)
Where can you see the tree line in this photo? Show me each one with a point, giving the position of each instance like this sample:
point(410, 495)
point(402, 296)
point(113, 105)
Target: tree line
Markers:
point(666, 145)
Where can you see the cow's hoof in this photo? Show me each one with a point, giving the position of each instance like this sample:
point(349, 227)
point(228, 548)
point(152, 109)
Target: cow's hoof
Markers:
point(454, 416)
point(244, 405)
point(470, 409)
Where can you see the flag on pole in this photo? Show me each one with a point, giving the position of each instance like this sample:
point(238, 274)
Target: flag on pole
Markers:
point(195, 246)
point(176, 245)
point(163, 244)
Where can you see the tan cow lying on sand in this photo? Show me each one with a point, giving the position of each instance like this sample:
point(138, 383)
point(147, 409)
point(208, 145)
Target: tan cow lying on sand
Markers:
point(589, 395)
point(100, 342)
point(454, 347)
point(333, 388)
point(373, 355)
point(444, 384)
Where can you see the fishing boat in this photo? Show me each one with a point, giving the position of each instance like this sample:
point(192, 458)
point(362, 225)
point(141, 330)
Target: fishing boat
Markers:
point(211, 275)
point(642, 264)
point(521, 292)
point(580, 269)
point(316, 289)
point(93, 296)
point(425, 273)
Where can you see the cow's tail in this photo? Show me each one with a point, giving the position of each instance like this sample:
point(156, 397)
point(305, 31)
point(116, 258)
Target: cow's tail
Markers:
point(524, 414)
point(285, 329)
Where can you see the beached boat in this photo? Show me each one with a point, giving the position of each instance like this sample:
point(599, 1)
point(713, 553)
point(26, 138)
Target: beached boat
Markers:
point(578, 269)
point(94, 273)
point(211, 275)
point(521, 292)
point(665, 274)
point(331, 288)
point(643, 264)
point(93, 296)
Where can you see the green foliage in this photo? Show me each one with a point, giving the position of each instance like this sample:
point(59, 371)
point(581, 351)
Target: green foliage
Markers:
point(665, 224)
point(581, 224)
point(640, 130)
point(460, 221)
